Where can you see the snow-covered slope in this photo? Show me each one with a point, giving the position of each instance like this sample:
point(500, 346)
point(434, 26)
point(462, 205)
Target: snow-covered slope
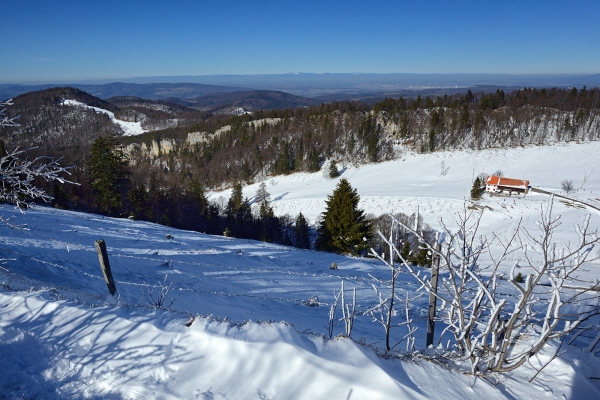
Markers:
point(416, 179)
point(129, 128)
point(63, 336)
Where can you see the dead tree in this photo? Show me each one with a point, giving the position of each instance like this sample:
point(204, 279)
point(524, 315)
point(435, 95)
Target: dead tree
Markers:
point(17, 175)
point(17, 172)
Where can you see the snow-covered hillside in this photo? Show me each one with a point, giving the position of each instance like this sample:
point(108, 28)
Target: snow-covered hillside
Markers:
point(129, 128)
point(416, 180)
point(240, 327)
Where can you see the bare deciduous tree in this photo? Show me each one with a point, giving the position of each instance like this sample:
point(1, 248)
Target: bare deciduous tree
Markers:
point(4, 120)
point(567, 185)
point(384, 310)
point(17, 177)
point(17, 173)
point(492, 331)
point(159, 299)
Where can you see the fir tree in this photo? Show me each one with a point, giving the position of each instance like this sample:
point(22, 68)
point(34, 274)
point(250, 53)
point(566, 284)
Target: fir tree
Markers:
point(301, 232)
point(343, 224)
point(138, 198)
point(267, 222)
point(238, 213)
point(422, 258)
point(108, 172)
point(405, 252)
point(313, 161)
point(476, 189)
point(236, 199)
point(333, 170)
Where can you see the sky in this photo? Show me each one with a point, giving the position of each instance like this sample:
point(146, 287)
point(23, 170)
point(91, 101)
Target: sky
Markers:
point(52, 41)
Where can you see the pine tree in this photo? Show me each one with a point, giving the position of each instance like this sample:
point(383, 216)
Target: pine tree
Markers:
point(343, 224)
point(301, 232)
point(476, 189)
point(108, 172)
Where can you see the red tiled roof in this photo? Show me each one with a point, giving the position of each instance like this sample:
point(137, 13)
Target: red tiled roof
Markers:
point(501, 181)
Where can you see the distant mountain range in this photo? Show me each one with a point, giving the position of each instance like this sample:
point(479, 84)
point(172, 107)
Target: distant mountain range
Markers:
point(254, 92)
point(151, 91)
point(315, 84)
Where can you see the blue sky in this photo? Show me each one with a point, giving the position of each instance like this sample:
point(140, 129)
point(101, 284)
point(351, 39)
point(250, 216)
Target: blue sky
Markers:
point(48, 41)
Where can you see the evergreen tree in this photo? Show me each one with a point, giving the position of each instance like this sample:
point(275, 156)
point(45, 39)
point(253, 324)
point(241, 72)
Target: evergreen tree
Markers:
point(301, 232)
point(422, 258)
point(476, 189)
point(239, 214)
point(267, 222)
point(236, 199)
point(313, 161)
point(108, 172)
point(138, 198)
point(333, 170)
point(284, 164)
point(343, 224)
point(197, 207)
point(431, 140)
point(405, 252)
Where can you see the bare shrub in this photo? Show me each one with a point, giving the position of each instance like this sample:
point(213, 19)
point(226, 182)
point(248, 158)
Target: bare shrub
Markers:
point(498, 323)
point(158, 298)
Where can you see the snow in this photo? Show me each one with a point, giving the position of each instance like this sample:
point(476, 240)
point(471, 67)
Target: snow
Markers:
point(129, 128)
point(239, 328)
point(401, 184)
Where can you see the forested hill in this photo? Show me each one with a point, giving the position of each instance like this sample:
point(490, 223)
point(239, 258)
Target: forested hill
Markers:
point(222, 151)
point(47, 124)
point(250, 100)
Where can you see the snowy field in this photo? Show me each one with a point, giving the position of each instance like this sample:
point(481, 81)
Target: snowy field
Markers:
point(129, 128)
point(239, 327)
point(416, 180)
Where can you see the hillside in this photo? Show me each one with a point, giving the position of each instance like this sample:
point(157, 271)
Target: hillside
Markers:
point(250, 100)
point(64, 120)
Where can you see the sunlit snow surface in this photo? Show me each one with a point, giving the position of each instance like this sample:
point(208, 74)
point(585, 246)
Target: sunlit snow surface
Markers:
point(129, 128)
point(61, 338)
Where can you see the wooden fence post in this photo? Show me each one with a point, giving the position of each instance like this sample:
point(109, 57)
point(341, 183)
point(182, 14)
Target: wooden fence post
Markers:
point(105, 265)
point(435, 271)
